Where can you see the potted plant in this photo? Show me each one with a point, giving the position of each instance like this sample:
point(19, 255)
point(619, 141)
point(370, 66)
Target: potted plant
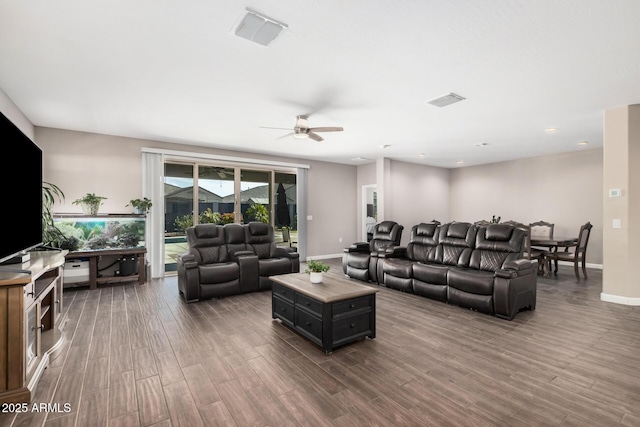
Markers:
point(90, 203)
point(141, 206)
point(315, 269)
point(51, 235)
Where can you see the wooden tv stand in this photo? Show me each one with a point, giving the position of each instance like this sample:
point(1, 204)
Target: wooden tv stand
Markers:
point(30, 316)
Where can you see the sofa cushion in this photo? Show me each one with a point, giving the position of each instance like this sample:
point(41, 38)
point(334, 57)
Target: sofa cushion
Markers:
point(470, 280)
point(219, 273)
point(430, 273)
point(274, 266)
point(398, 267)
point(206, 243)
point(422, 242)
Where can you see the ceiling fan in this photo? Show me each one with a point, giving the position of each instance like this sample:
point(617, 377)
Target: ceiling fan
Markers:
point(301, 130)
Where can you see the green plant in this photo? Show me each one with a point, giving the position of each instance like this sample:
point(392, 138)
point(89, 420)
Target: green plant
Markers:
point(51, 235)
point(316, 267)
point(227, 218)
point(142, 205)
point(183, 222)
point(90, 203)
point(210, 217)
point(258, 212)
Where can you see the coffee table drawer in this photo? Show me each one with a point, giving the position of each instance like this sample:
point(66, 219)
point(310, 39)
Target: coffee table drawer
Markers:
point(309, 304)
point(309, 323)
point(282, 291)
point(283, 309)
point(346, 307)
point(351, 327)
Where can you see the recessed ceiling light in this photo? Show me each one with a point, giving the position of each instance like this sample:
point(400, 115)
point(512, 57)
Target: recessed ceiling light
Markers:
point(385, 146)
point(482, 144)
point(583, 143)
point(459, 162)
point(360, 159)
point(421, 155)
point(551, 130)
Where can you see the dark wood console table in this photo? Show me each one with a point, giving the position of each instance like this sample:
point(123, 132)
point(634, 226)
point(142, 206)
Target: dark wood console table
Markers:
point(94, 256)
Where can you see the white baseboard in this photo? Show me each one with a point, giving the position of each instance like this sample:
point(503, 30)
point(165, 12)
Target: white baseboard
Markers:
point(317, 257)
point(619, 300)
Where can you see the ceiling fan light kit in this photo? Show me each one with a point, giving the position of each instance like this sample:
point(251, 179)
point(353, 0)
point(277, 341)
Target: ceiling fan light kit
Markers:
point(301, 130)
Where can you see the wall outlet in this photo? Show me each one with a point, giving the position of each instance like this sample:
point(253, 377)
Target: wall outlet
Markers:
point(340, 240)
point(309, 217)
point(616, 223)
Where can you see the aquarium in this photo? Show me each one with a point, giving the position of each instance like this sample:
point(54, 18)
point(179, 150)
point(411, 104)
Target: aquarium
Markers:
point(100, 232)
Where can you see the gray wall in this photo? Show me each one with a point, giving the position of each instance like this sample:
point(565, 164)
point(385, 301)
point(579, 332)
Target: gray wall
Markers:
point(564, 189)
point(111, 166)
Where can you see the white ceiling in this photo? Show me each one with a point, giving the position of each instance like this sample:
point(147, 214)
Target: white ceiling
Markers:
point(174, 71)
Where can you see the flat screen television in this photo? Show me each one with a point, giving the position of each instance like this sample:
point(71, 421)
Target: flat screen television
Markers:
point(21, 178)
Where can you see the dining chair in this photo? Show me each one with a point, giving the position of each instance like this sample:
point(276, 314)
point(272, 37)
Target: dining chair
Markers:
point(528, 252)
point(541, 230)
point(577, 256)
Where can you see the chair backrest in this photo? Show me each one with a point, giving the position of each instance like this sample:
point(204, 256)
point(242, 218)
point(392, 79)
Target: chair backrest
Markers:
point(423, 241)
point(234, 238)
point(260, 239)
point(583, 239)
point(496, 244)
point(385, 234)
point(541, 230)
point(527, 229)
point(207, 243)
point(455, 242)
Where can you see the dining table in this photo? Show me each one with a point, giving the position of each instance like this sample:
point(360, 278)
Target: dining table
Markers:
point(551, 245)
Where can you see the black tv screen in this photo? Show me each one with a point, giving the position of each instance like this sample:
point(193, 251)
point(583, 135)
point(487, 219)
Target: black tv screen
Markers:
point(21, 178)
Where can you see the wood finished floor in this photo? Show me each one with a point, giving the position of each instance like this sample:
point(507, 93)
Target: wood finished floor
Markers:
point(138, 356)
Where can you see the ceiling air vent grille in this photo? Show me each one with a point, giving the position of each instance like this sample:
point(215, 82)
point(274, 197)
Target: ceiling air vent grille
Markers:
point(444, 100)
point(258, 28)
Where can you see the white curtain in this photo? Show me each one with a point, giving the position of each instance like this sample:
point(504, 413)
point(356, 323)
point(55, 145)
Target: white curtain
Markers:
point(153, 188)
point(301, 200)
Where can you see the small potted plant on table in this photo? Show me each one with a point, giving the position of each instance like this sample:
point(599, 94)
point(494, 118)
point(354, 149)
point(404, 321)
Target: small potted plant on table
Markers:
point(90, 203)
point(315, 270)
point(141, 206)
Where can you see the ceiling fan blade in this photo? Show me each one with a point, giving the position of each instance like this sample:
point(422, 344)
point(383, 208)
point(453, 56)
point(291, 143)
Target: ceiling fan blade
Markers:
point(315, 137)
point(268, 127)
point(284, 136)
point(326, 129)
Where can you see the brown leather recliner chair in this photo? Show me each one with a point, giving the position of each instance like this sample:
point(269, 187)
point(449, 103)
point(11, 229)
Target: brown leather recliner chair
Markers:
point(360, 260)
point(395, 265)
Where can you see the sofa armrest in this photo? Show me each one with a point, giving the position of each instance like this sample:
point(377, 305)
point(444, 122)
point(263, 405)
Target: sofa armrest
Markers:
point(517, 267)
point(394, 252)
point(235, 256)
point(358, 247)
point(188, 277)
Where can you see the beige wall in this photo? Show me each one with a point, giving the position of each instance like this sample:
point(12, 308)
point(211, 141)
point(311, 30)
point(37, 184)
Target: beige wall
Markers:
point(622, 143)
point(564, 189)
point(417, 194)
point(13, 113)
point(111, 166)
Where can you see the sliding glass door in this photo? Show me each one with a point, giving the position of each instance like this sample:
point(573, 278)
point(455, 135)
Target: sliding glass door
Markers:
point(223, 194)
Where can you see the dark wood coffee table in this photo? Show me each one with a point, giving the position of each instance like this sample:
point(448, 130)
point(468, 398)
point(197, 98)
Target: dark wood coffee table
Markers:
point(330, 314)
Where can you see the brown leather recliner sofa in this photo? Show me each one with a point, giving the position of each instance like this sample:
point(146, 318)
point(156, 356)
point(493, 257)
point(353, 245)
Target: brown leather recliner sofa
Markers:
point(360, 260)
point(481, 268)
point(231, 259)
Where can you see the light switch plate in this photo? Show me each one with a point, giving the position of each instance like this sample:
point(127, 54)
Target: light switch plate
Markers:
point(614, 192)
point(616, 223)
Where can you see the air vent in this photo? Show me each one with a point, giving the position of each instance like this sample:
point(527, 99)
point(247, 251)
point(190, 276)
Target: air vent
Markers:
point(258, 28)
point(445, 100)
